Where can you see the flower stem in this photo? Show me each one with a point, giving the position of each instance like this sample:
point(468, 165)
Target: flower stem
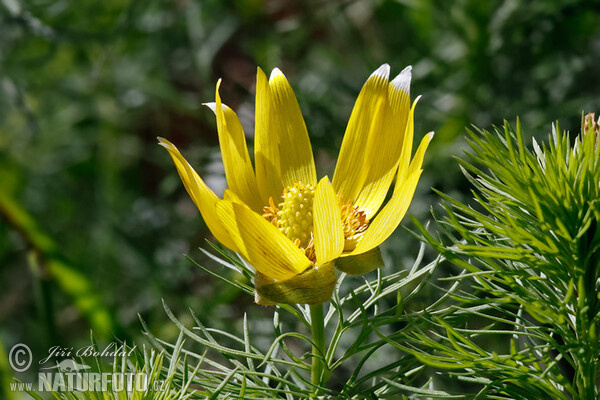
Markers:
point(317, 321)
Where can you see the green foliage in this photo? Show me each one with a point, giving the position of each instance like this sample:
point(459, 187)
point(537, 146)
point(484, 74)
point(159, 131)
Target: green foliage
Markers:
point(85, 88)
point(162, 382)
point(530, 250)
point(355, 357)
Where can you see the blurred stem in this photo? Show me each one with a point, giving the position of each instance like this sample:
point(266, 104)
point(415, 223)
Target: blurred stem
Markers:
point(317, 321)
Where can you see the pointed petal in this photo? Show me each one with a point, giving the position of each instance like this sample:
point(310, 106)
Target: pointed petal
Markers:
point(236, 160)
point(201, 195)
point(384, 145)
point(266, 145)
point(417, 161)
point(328, 228)
point(408, 139)
point(296, 157)
point(388, 219)
point(348, 179)
point(266, 248)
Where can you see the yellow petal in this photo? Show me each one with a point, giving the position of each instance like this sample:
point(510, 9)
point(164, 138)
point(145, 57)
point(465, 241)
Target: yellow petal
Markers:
point(231, 196)
point(328, 228)
point(266, 248)
point(384, 145)
point(266, 144)
point(296, 157)
point(236, 160)
point(408, 141)
point(388, 219)
point(226, 216)
point(201, 195)
point(348, 176)
point(417, 161)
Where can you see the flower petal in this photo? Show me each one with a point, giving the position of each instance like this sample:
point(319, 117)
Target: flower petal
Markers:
point(348, 176)
point(201, 195)
point(408, 140)
point(296, 157)
point(314, 286)
point(266, 248)
point(226, 215)
point(236, 160)
point(388, 219)
point(266, 144)
point(328, 228)
point(384, 146)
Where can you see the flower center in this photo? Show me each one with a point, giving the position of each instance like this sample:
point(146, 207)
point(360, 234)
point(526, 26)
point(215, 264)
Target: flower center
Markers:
point(293, 216)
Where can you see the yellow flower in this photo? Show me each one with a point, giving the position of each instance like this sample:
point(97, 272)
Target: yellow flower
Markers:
point(292, 228)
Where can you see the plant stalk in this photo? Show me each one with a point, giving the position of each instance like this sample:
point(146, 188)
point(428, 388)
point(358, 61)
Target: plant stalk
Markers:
point(317, 321)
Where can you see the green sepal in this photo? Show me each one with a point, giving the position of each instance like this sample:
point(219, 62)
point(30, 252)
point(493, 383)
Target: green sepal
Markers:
point(313, 286)
point(361, 263)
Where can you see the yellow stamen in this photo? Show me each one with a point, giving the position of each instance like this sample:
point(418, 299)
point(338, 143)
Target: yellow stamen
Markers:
point(270, 212)
point(355, 223)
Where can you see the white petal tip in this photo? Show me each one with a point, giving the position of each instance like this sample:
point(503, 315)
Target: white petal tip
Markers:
point(275, 73)
point(165, 143)
point(383, 71)
point(402, 80)
point(212, 106)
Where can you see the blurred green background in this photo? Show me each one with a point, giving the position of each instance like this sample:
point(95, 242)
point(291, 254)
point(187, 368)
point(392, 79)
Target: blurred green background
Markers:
point(94, 220)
